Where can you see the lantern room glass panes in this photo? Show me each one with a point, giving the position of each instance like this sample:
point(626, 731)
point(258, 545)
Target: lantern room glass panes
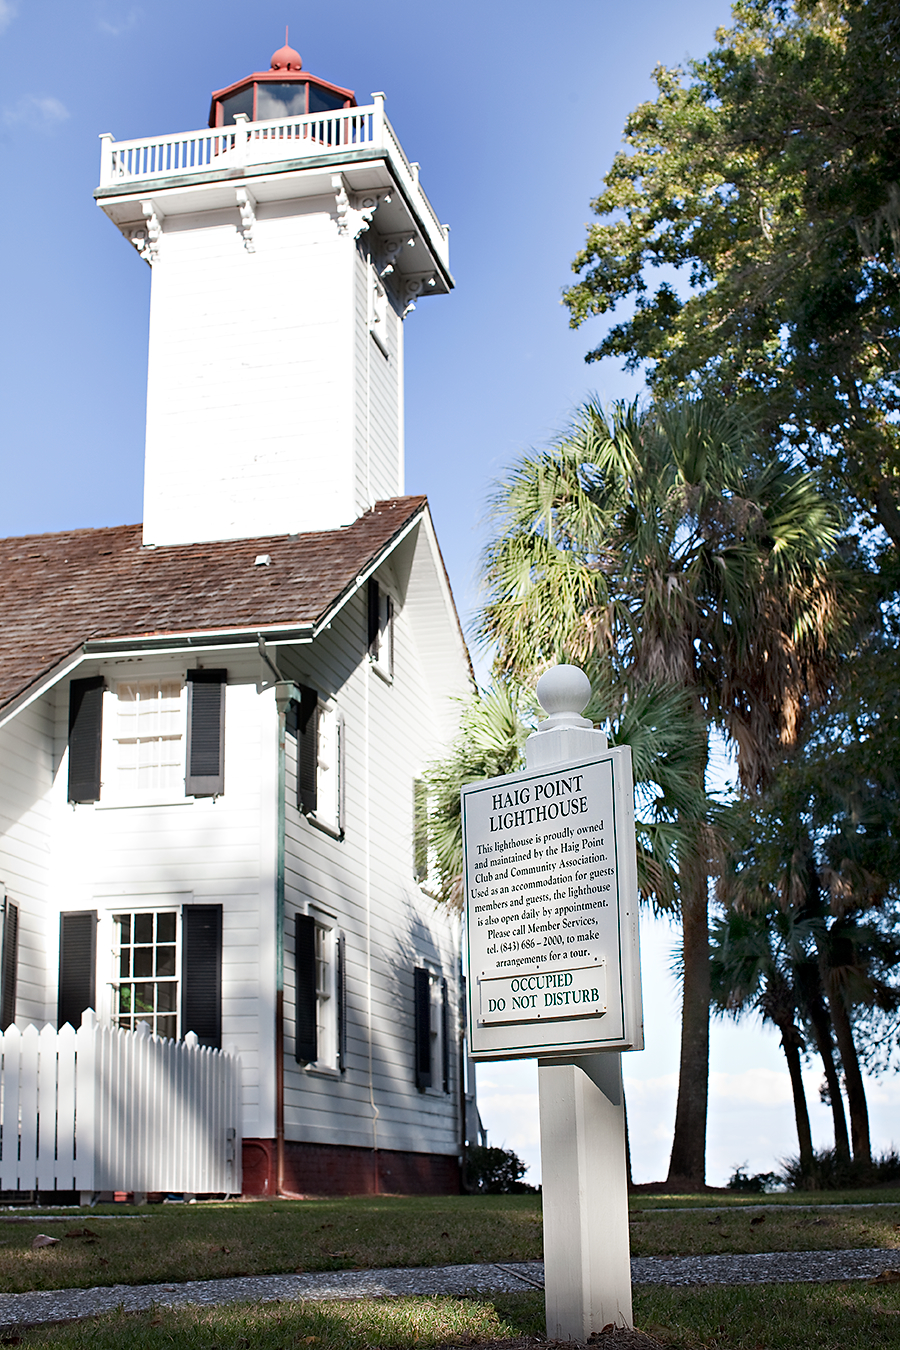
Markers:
point(149, 736)
point(323, 100)
point(241, 102)
point(280, 100)
point(146, 982)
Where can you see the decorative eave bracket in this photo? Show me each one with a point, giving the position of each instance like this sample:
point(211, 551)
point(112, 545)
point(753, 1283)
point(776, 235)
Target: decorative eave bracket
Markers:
point(419, 283)
point(354, 214)
point(146, 241)
point(246, 203)
point(391, 246)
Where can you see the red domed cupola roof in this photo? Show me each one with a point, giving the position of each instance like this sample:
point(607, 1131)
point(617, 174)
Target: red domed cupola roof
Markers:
point(286, 58)
point(284, 90)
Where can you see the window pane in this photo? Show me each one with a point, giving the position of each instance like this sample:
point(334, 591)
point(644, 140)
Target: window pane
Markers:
point(143, 961)
point(280, 100)
point(143, 998)
point(165, 927)
point(143, 927)
point(238, 103)
point(165, 997)
point(144, 953)
point(165, 961)
point(149, 735)
point(323, 100)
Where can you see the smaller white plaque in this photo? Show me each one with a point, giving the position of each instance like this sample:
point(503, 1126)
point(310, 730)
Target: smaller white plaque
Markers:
point(544, 995)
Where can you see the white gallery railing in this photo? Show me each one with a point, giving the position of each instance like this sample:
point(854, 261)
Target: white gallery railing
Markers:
point(101, 1109)
point(247, 143)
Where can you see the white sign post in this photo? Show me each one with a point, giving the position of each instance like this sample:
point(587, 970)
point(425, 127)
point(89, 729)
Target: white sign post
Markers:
point(554, 974)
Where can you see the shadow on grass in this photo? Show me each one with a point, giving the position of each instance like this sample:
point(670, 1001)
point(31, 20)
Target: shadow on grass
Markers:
point(850, 1316)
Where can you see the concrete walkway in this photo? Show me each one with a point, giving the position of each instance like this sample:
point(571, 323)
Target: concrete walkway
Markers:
point(60, 1305)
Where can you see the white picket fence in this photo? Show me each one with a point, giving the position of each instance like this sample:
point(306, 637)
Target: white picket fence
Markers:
point(101, 1109)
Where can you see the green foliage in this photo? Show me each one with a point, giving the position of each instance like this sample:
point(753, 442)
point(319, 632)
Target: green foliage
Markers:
point(831, 1172)
point(760, 1183)
point(490, 742)
point(765, 176)
point(495, 1171)
point(669, 545)
point(657, 723)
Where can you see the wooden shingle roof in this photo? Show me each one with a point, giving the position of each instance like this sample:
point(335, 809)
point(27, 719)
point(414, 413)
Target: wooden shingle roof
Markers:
point(60, 591)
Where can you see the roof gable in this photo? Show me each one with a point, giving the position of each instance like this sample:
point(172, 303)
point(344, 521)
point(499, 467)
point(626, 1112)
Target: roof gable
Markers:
point(61, 591)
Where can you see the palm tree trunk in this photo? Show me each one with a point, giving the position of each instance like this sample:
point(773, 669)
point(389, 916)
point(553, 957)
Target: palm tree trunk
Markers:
point(815, 1009)
point(790, 1044)
point(856, 1092)
point(687, 1165)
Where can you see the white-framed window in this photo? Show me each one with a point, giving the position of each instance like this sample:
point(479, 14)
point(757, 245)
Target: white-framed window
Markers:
point(432, 1030)
point(146, 961)
point(319, 1025)
point(326, 996)
point(148, 736)
point(378, 310)
point(329, 786)
point(424, 856)
point(381, 630)
point(318, 725)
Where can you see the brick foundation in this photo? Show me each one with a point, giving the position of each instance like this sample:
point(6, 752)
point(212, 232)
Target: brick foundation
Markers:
point(338, 1169)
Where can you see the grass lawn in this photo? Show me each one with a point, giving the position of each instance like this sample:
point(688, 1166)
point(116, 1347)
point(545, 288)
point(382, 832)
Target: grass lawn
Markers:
point(764, 1317)
point(181, 1242)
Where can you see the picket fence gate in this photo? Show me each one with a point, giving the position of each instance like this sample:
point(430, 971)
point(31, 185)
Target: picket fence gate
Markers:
point(103, 1109)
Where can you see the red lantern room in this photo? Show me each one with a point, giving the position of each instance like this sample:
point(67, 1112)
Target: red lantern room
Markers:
point(285, 90)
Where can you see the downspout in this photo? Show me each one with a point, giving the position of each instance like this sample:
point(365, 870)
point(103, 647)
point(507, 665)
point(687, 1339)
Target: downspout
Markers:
point(285, 691)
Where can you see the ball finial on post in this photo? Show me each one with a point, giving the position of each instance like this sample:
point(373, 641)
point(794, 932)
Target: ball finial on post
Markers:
point(564, 692)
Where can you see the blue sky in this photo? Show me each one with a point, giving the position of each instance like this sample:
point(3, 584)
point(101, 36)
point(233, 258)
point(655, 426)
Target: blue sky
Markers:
point(515, 111)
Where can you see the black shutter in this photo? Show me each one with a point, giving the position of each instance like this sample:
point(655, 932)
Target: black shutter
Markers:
point(201, 973)
point(307, 749)
point(77, 966)
point(342, 1001)
point(306, 1047)
point(205, 775)
point(445, 1035)
point(10, 964)
point(374, 618)
point(85, 723)
point(422, 997)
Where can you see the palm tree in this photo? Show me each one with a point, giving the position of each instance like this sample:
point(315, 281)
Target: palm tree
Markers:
point(753, 963)
point(666, 543)
point(657, 726)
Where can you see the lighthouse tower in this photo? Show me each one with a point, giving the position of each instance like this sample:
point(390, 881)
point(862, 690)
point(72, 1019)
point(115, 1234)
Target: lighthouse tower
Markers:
point(288, 242)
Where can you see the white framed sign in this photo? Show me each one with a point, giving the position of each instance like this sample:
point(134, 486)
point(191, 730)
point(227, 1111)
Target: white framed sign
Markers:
point(552, 911)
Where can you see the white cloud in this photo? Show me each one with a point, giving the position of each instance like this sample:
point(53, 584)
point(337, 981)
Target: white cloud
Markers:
point(41, 113)
point(122, 23)
point(753, 1087)
point(7, 14)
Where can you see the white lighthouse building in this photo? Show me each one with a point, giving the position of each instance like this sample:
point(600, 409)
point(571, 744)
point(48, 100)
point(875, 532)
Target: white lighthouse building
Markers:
point(288, 242)
point(213, 724)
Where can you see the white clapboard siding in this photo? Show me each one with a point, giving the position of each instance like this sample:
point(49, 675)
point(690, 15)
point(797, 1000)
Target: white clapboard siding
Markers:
point(103, 1109)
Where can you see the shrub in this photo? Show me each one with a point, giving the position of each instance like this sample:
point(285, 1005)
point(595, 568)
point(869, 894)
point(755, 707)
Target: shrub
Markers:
point(495, 1171)
point(831, 1173)
point(759, 1184)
